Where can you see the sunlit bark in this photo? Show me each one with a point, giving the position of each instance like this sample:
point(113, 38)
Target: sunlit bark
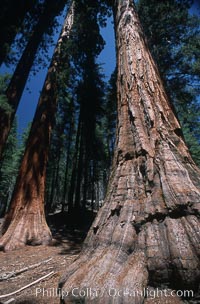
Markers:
point(25, 222)
point(147, 233)
point(20, 76)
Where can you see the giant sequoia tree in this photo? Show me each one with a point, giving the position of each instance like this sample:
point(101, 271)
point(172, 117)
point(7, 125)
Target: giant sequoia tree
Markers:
point(174, 40)
point(147, 232)
point(25, 222)
point(20, 76)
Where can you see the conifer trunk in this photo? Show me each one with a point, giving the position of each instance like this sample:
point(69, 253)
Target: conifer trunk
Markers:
point(147, 233)
point(69, 146)
point(25, 222)
point(20, 76)
point(73, 179)
point(11, 18)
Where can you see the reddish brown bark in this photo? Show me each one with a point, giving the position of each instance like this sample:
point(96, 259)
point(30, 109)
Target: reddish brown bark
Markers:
point(147, 233)
point(19, 78)
point(25, 222)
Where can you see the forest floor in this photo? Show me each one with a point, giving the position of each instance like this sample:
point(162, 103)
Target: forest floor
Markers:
point(26, 265)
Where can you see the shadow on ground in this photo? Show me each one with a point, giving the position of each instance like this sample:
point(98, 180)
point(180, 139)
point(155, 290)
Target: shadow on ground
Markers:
point(70, 230)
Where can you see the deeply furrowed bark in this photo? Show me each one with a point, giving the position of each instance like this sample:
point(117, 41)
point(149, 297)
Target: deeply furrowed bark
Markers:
point(25, 222)
point(147, 233)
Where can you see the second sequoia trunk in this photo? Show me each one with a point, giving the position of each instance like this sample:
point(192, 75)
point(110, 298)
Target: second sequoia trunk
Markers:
point(19, 78)
point(25, 222)
point(147, 232)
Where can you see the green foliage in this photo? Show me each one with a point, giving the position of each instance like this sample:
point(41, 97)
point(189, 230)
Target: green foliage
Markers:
point(77, 157)
point(22, 141)
point(191, 126)
point(174, 39)
point(12, 14)
point(4, 106)
point(9, 166)
point(110, 118)
point(19, 25)
point(60, 156)
point(8, 169)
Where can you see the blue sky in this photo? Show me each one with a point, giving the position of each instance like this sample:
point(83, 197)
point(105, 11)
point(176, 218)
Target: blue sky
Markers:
point(34, 85)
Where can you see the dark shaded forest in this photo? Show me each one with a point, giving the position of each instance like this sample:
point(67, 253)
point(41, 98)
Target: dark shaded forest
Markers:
point(117, 157)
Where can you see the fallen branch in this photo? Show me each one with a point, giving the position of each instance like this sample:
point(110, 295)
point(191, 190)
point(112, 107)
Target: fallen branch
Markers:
point(11, 274)
point(8, 302)
point(24, 287)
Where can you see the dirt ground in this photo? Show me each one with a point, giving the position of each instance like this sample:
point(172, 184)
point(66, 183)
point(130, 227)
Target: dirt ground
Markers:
point(36, 262)
point(31, 263)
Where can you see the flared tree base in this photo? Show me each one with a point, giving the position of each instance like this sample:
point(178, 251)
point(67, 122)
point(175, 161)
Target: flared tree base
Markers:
point(147, 234)
point(27, 228)
point(150, 263)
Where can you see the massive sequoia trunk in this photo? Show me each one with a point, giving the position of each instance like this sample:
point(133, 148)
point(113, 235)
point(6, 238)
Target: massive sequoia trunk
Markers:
point(25, 222)
point(147, 233)
point(19, 78)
